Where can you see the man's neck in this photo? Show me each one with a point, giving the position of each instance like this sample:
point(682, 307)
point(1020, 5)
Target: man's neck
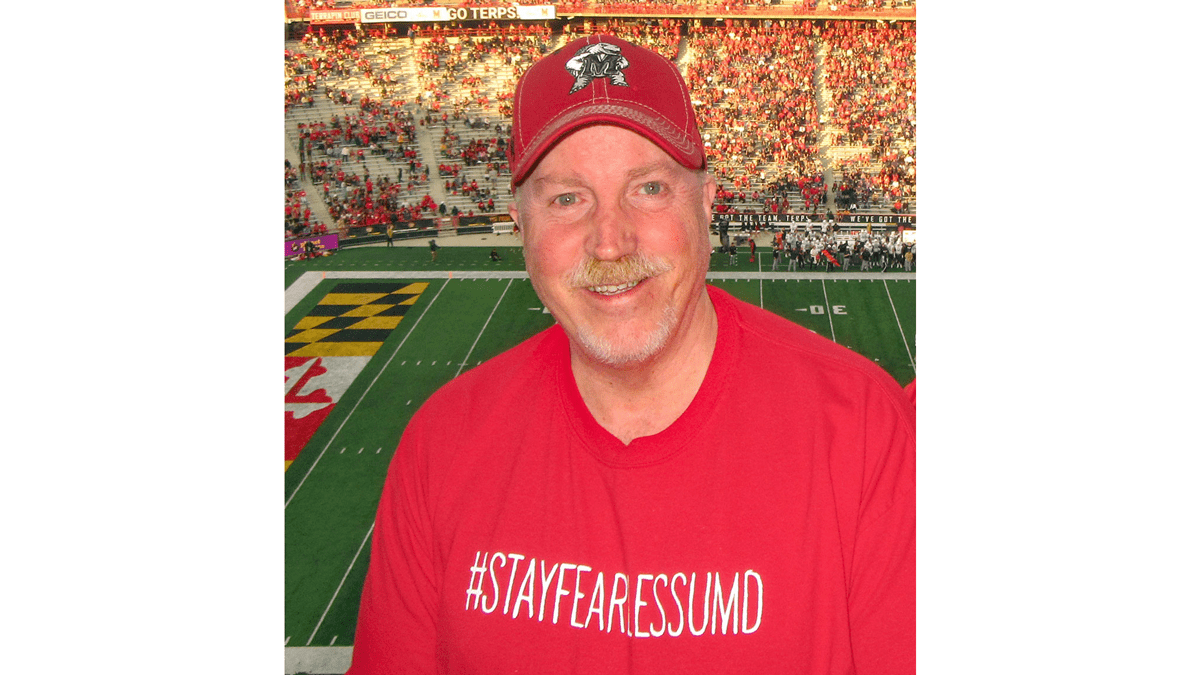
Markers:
point(646, 398)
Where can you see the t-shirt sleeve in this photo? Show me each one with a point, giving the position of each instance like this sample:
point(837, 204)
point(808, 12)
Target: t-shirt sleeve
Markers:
point(396, 617)
point(882, 598)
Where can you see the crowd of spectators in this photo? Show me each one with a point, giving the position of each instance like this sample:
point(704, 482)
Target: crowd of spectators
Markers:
point(870, 5)
point(661, 35)
point(334, 157)
point(476, 75)
point(758, 80)
point(755, 84)
point(870, 73)
point(467, 82)
point(298, 220)
point(321, 58)
point(325, 61)
point(374, 130)
point(360, 202)
point(476, 149)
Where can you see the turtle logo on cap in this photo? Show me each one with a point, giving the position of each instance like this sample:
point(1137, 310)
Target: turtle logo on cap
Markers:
point(598, 60)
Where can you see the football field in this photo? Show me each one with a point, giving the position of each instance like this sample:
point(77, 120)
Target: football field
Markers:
point(370, 333)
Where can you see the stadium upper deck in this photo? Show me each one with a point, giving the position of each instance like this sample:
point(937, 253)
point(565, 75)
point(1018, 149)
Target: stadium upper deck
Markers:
point(395, 123)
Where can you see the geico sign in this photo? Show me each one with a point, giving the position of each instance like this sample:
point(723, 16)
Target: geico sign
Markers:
point(385, 15)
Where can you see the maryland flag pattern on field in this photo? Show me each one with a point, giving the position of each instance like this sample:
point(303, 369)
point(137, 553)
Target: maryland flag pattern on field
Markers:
point(327, 349)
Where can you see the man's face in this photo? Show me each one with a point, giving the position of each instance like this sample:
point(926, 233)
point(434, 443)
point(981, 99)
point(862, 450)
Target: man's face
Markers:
point(616, 242)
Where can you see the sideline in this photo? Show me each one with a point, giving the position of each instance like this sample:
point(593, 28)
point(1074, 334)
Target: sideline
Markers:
point(316, 660)
point(299, 289)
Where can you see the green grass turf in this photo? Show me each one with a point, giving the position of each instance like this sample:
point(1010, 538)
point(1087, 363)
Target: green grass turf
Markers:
point(332, 511)
point(854, 313)
point(331, 507)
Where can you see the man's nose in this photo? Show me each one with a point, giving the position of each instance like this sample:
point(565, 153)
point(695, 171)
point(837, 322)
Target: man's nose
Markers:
point(613, 232)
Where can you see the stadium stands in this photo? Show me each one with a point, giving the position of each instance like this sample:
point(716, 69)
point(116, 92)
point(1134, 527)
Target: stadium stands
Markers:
point(401, 126)
point(870, 77)
point(758, 81)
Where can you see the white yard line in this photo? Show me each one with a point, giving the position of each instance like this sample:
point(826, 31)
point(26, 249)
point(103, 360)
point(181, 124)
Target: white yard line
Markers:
point(897, 315)
point(300, 288)
point(828, 311)
point(341, 583)
point(307, 473)
point(485, 325)
point(364, 393)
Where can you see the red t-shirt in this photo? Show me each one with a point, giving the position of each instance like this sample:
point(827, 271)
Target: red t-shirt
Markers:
point(770, 529)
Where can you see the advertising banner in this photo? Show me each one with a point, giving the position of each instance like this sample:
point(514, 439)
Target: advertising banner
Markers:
point(333, 15)
point(325, 242)
point(443, 14)
point(535, 12)
point(906, 219)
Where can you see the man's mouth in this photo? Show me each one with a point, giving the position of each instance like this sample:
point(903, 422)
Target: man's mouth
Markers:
point(613, 289)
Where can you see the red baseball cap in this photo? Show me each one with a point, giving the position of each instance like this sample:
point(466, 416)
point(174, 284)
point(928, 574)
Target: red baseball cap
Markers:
point(602, 79)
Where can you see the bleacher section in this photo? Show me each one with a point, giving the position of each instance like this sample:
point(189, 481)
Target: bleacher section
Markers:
point(870, 85)
point(467, 82)
point(800, 116)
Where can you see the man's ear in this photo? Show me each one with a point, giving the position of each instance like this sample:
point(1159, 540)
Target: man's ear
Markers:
point(514, 212)
point(710, 193)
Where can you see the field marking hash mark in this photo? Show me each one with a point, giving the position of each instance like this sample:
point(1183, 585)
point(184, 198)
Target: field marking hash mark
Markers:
point(485, 325)
point(364, 394)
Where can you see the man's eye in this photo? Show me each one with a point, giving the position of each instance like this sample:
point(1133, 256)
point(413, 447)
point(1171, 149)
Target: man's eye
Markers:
point(566, 200)
point(652, 188)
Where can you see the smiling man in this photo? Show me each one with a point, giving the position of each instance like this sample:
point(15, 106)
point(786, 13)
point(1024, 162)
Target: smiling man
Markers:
point(594, 500)
point(617, 246)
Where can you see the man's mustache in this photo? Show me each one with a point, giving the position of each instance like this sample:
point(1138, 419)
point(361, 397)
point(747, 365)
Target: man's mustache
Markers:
point(590, 272)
